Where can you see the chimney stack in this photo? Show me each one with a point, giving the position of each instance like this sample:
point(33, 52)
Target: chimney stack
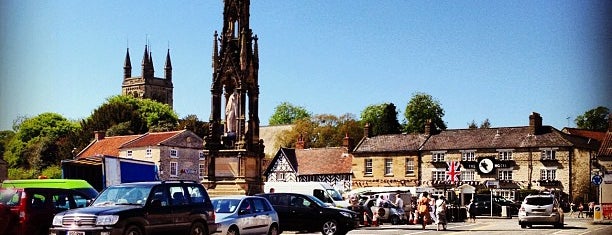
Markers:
point(99, 135)
point(300, 142)
point(535, 123)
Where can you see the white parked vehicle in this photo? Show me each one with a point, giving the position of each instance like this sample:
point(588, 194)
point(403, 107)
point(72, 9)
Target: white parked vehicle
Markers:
point(320, 190)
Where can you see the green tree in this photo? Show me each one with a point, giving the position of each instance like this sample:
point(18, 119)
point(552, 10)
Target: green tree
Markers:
point(287, 113)
point(382, 119)
point(595, 119)
point(423, 107)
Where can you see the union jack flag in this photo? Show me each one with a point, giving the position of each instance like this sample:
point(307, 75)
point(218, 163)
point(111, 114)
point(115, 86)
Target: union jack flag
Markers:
point(453, 171)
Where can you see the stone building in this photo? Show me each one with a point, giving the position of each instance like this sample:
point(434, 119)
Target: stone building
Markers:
point(177, 154)
point(509, 159)
point(147, 86)
point(387, 160)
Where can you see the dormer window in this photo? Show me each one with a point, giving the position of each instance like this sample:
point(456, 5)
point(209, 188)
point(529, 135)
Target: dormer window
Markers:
point(173, 153)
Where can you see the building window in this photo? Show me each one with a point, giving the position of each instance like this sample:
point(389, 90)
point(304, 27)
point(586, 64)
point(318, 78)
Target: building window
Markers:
point(388, 166)
point(548, 154)
point(548, 174)
point(173, 153)
point(129, 154)
point(467, 175)
point(201, 155)
point(505, 155)
point(149, 153)
point(505, 174)
point(409, 166)
point(438, 175)
point(368, 167)
point(174, 169)
point(202, 171)
point(437, 157)
point(469, 156)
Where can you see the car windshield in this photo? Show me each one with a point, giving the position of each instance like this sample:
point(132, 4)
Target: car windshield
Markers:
point(225, 205)
point(123, 195)
point(539, 201)
point(9, 197)
point(335, 195)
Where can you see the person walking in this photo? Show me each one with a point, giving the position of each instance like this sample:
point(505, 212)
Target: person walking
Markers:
point(423, 209)
point(472, 211)
point(441, 213)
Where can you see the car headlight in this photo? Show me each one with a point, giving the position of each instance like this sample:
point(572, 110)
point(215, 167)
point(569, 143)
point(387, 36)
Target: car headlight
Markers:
point(57, 220)
point(107, 219)
point(346, 214)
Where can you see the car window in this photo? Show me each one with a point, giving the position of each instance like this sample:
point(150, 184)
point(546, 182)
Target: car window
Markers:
point(539, 201)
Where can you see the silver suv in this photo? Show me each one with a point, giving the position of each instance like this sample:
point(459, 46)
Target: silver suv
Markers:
point(540, 209)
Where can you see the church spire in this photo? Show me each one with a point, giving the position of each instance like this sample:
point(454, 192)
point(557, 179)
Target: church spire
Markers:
point(127, 65)
point(168, 67)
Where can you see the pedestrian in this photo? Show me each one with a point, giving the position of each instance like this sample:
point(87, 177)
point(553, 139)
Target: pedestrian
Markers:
point(441, 213)
point(580, 209)
point(572, 205)
point(472, 211)
point(423, 209)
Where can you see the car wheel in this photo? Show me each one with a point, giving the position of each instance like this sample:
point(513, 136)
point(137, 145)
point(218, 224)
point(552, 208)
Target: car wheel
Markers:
point(198, 228)
point(233, 231)
point(395, 220)
point(273, 230)
point(133, 230)
point(330, 227)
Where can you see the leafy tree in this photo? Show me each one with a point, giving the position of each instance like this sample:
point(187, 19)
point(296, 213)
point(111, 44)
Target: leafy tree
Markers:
point(382, 119)
point(423, 107)
point(192, 123)
point(287, 113)
point(594, 119)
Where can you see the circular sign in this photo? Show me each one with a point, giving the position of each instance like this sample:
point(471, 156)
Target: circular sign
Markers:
point(485, 165)
point(596, 179)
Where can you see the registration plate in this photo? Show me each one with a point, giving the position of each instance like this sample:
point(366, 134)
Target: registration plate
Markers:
point(75, 233)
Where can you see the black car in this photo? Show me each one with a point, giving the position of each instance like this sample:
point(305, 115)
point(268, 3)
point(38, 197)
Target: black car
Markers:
point(300, 212)
point(161, 207)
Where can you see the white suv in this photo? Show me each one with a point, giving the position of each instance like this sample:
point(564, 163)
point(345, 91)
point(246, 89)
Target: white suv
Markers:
point(540, 209)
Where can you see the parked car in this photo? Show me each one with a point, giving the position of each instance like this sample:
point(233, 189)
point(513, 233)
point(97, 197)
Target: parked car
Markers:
point(301, 212)
point(541, 209)
point(159, 207)
point(28, 206)
point(245, 215)
point(483, 205)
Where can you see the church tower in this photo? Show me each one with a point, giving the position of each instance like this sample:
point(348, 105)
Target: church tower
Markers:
point(233, 147)
point(148, 86)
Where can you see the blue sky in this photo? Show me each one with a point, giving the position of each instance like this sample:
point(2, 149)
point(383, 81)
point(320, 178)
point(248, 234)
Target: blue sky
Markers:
point(499, 60)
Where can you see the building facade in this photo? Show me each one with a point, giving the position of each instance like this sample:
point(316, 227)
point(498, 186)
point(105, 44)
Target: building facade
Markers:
point(147, 86)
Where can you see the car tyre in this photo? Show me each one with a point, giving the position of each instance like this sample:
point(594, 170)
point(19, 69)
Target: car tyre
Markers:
point(133, 230)
point(233, 231)
point(273, 230)
point(330, 227)
point(198, 228)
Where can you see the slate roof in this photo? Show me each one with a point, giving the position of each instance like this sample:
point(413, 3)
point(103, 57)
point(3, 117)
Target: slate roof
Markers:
point(504, 137)
point(390, 143)
point(108, 146)
point(316, 161)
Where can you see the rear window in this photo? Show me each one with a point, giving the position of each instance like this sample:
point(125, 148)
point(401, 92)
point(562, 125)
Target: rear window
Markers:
point(10, 197)
point(539, 201)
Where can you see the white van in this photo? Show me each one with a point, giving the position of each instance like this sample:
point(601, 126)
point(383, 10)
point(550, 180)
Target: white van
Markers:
point(320, 190)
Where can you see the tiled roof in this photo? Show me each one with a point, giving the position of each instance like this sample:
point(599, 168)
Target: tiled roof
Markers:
point(151, 139)
point(391, 143)
point(323, 161)
point(108, 146)
point(606, 146)
point(505, 137)
point(597, 135)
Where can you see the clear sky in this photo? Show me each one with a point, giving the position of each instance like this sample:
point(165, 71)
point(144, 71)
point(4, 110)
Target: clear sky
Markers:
point(499, 60)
